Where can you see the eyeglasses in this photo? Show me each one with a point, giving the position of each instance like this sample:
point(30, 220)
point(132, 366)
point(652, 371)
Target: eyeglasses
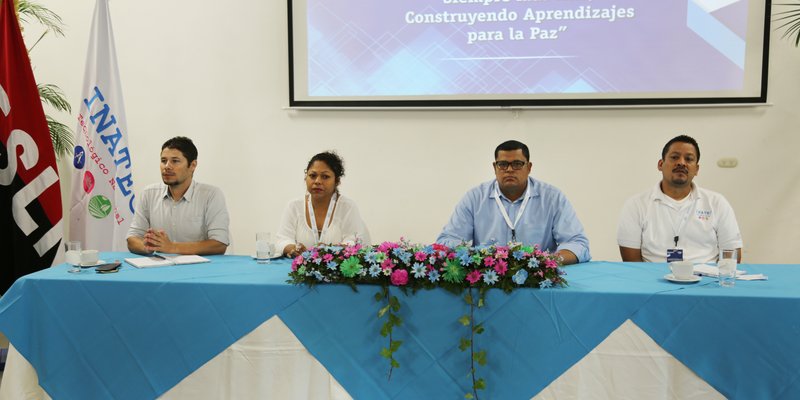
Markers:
point(515, 165)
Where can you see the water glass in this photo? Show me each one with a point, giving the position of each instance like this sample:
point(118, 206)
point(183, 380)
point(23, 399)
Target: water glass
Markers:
point(73, 256)
point(727, 267)
point(263, 247)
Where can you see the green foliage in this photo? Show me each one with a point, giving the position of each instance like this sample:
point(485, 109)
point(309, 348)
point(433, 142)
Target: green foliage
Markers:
point(51, 95)
point(410, 267)
point(791, 21)
point(391, 306)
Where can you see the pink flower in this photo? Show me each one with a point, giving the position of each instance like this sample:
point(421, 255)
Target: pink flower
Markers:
point(440, 247)
point(327, 257)
point(537, 253)
point(474, 276)
point(501, 267)
point(387, 264)
point(551, 264)
point(399, 277)
point(502, 252)
point(420, 256)
point(350, 251)
point(386, 246)
point(488, 261)
point(298, 261)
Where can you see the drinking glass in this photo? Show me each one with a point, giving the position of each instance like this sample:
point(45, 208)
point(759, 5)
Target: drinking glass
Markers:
point(727, 267)
point(263, 247)
point(73, 256)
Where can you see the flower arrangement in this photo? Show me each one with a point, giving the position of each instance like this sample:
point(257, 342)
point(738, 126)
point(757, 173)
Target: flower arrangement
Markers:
point(414, 266)
point(417, 266)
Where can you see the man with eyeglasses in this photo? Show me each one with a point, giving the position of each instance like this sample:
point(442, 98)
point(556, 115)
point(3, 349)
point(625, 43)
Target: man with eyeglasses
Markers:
point(676, 220)
point(514, 207)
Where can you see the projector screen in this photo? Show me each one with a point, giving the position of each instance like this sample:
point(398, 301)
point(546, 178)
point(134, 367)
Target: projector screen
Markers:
point(507, 53)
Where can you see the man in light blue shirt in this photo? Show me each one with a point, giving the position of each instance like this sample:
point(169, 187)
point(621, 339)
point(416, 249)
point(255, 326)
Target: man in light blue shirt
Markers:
point(517, 208)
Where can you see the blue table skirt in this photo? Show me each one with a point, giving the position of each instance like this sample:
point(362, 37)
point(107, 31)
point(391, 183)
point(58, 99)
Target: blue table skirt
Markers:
point(137, 333)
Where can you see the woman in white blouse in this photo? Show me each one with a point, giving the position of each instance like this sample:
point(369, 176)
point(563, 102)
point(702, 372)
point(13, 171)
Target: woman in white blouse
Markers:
point(322, 215)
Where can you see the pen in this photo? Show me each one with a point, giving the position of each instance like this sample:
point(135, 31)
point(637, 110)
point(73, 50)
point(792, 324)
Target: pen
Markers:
point(159, 256)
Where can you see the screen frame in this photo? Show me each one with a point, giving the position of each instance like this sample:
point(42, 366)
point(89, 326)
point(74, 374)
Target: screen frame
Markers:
point(758, 100)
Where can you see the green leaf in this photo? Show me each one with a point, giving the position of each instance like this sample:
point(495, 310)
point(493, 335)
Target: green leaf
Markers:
point(386, 329)
point(480, 303)
point(386, 353)
point(394, 345)
point(478, 329)
point(379, 296)
point(480, 384)
point(394, 303)
point(383, 311)
point(469, 396)
point(54, 96)
point(395, 364)
point(464, 344)
point(468, 298)
point(51, 21)
point(480, 357)
point(464, 320)
point(61, 136)
point(395, 320)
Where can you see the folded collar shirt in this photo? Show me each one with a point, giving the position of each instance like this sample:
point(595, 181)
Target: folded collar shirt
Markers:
point(201, 213)
point(651, 220)
point(548, 220)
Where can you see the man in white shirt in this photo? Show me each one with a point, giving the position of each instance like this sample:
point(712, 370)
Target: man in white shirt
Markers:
point(677, 219)
point(180, 216)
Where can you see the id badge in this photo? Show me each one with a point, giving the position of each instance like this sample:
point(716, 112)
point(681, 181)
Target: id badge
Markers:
point(674, 255)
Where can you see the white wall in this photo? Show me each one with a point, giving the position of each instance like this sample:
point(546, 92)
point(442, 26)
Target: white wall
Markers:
point(217, 72)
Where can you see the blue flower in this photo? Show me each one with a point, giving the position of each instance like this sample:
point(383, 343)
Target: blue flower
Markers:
point(433, 276)
point(332, 265)
point(374, 270)
point(317, 275)
point(419, 270)
point(463, 255)
point(432, 260)
point(490, 277)
point(519, 255)
point(428, 249)
point(520, 277)
point(372, 258)
point(306, 254)
point(545, 283)
point(335, 249)
point(533, 263)
point(403, 255)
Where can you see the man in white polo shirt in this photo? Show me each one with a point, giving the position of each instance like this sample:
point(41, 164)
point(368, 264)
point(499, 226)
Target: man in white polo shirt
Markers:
point(181, 215)
point(677, 219)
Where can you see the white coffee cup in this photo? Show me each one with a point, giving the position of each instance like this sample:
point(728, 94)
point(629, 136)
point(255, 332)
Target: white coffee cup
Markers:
point(682, 269)
point(89, 257)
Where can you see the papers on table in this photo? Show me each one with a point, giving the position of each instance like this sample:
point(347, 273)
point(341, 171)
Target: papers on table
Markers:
point(712, 271)
point(161, 261)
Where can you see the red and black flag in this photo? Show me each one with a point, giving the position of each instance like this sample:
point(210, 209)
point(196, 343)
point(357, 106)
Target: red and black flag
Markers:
point(30, 194)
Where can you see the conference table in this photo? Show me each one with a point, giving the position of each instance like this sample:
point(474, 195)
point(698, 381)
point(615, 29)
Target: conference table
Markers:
point(233, 328)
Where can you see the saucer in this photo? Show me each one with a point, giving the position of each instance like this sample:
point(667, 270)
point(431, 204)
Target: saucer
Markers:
point(89, 265)
point(672, 278)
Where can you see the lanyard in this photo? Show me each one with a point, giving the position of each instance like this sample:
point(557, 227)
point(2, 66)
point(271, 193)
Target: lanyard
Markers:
point(317, 233)
point(519, 212)
point(688, 210)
